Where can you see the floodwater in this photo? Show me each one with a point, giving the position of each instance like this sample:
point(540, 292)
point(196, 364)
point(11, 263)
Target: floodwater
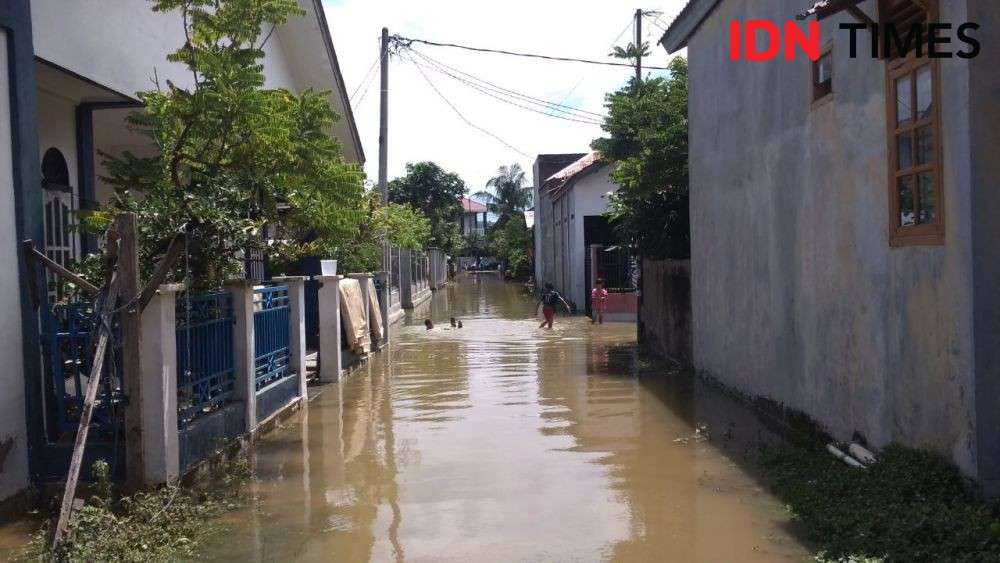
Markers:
point(504, 442)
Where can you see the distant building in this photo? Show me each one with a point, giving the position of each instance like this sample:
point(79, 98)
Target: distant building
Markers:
point(573, 238)
point(845, 227)
point(474, 217)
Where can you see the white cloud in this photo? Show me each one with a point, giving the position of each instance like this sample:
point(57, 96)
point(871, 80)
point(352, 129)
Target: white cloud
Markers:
point(423, 127)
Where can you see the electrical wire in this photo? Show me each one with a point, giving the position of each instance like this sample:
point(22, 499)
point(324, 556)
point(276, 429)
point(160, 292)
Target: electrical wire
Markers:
point(500, 89)
point(407, 40)
point(368, 74)
point(547, 107)
point(462, 116)
point(518, 105)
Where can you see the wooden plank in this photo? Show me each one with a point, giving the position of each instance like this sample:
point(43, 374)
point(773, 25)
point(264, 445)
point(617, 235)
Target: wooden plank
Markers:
point(93, 384)
point(160, 275)
point(58, 268)
point(128, 275)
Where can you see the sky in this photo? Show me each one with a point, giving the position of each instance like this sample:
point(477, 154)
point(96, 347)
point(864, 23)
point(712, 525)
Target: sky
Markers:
point(421, 124)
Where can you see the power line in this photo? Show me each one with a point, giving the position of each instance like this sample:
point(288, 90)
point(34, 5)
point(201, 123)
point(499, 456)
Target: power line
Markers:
point(409, 40)
point(368, 75)
point(462, 116)
point(548, 105)
point(507, 100)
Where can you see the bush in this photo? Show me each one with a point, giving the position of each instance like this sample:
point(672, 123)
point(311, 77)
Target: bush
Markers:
point(908, 506)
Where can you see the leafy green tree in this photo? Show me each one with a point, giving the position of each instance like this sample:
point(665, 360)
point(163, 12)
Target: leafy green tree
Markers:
point(647, 143)
point(474, 244)
point(231, 152)
point(511, 243)
point(509, 196)
point(436, 194)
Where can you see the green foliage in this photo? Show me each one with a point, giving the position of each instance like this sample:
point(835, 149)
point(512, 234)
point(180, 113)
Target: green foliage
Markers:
point(168, 524)
point(647, 144)
point(511, 243)
point(908, 506)
point(473, 244)
point(436, 194)
point(231, 151)
point(509, 197)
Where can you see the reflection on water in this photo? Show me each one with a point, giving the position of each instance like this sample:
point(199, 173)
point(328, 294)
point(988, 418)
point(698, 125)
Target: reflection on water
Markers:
point(504, 442)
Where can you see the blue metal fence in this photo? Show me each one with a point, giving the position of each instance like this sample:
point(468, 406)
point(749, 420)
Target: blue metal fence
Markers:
point(206, 376)
point(66, 335)
point(271, 336)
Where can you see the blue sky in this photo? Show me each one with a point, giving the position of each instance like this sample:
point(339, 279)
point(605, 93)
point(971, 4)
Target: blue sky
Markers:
point(423, 127)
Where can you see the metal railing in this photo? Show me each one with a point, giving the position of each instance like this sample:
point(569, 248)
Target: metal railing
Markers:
point(206, 377)
point(271, 336)
point(619, 269)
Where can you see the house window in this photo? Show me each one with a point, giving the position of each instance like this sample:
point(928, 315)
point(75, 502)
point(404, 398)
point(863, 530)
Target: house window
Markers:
point(914, 133)
point(915, 154)
point(822, 75)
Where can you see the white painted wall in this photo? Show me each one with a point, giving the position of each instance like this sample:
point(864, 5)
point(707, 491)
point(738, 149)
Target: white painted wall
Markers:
point(14, 466)
point(57, 129)
point(588, 197)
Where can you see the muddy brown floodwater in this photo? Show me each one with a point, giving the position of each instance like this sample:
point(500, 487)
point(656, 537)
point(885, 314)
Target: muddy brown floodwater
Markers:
point(504, 442)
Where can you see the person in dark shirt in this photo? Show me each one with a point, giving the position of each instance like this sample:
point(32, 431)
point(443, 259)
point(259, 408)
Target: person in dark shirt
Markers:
point(550, 300)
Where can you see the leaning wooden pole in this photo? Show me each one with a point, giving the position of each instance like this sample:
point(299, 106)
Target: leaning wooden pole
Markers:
point(104, 315)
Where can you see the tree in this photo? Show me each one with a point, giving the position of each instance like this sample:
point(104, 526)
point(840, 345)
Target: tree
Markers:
point(511, 243)
point(647, 144)
point(231, 151)
point(437, 194)
point(509, 196)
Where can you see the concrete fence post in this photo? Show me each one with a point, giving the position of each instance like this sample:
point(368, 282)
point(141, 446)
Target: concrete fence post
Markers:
point(406, 279)
point(158, 369)
point(244, 361)
point(330, 360)
point(297, 326)
point(385, 293)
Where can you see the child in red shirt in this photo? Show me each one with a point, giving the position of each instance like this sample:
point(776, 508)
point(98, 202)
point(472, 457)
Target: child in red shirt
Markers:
point(598, 302)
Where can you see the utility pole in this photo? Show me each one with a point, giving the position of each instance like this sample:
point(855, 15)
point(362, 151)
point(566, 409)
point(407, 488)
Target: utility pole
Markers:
point(638, 46)
point(383, 138)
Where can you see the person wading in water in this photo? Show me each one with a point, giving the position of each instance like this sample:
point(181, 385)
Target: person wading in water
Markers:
point(550, 300)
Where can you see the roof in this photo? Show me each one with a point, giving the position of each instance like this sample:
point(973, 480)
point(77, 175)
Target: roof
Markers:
point(342, 90)
point(470, 206)
point(565, 178)
point(686, 24)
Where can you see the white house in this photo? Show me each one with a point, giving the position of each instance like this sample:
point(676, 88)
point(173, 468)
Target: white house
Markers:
point(70, 71)
point(571, 204)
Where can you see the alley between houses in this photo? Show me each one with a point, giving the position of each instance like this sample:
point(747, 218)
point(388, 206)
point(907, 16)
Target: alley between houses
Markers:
point(500, 441)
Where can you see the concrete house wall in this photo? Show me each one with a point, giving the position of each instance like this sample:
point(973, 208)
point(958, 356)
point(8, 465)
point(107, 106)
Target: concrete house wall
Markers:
point(797, 295)
point(13, 433)
point(586, 198)
point(545, 166)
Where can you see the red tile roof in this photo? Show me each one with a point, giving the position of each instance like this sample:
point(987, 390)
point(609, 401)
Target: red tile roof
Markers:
point(473, 206)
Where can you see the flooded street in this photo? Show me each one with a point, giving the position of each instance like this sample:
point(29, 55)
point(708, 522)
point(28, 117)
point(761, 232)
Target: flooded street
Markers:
point(503, 442)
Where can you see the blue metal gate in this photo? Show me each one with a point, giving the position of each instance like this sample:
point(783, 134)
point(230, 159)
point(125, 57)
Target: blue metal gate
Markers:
point(273, 383)
point(206, 377)
point(67, 331)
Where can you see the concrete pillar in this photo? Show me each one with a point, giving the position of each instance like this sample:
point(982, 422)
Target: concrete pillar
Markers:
point(330, 360)
point(406, 288)
point(385, 292)
point(244, 360)
point(158, 369)
point(297, 326)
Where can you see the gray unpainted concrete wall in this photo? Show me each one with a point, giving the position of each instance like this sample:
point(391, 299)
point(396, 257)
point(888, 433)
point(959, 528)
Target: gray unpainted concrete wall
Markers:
point(666, 308)
point(545, 166)
point(797, 295)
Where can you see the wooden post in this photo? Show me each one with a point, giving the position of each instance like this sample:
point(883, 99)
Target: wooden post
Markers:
point(131, 329)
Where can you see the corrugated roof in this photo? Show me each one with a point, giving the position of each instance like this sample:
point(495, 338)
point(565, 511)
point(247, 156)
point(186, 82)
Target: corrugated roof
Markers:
point(567, 176)
point(686, 24)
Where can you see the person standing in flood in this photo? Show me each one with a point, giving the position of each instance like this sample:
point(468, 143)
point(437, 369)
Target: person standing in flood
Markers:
point(550, 300)
point(598, 302)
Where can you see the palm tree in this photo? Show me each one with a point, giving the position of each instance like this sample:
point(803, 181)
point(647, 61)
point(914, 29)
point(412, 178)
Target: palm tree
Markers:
point(509, 196)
